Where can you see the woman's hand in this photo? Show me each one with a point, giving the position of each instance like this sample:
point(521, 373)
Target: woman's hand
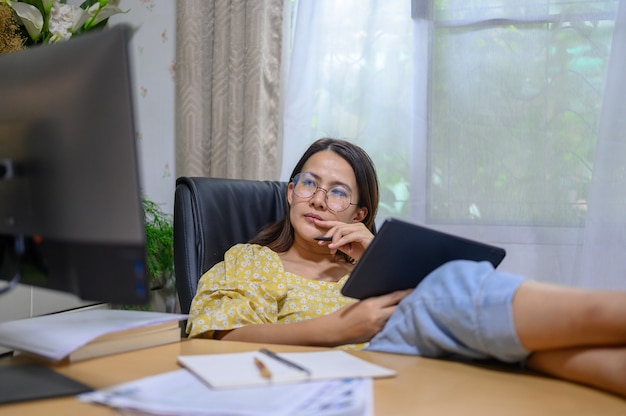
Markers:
point(351, 239)
point(360, 321)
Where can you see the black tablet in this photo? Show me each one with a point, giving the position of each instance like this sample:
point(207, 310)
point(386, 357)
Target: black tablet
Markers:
point(30, 381)
point(402, 254)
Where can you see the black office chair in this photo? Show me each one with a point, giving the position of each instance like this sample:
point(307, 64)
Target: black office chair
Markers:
point(210, 216)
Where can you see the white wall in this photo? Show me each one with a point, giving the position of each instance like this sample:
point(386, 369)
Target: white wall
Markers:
point(153, 49)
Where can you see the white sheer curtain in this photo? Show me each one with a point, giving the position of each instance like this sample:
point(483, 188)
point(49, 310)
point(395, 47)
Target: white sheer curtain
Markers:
point(495, 120)
point(602, 251)
point(350, 76)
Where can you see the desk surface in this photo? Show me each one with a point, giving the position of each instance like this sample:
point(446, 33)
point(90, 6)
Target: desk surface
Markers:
point(423, 386)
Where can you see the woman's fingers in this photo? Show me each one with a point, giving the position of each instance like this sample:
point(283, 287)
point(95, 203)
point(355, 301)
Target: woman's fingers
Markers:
point(360, 321)
point(351, 239)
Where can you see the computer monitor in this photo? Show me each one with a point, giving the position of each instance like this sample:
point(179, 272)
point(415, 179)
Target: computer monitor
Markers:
point(71, 216)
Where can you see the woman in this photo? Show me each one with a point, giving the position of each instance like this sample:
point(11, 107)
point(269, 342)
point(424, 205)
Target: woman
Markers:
point(286, 276)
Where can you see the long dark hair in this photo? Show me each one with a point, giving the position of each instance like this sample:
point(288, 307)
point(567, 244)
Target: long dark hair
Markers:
point(280, 235)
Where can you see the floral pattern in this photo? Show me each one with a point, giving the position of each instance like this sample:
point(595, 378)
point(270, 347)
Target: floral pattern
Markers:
point(251, 287)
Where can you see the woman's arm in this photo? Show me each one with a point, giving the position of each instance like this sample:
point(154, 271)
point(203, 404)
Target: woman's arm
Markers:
point(353, 324)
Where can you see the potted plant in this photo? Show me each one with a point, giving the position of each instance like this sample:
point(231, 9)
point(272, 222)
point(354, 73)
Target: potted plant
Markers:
point(159, 259)
point(160, 254)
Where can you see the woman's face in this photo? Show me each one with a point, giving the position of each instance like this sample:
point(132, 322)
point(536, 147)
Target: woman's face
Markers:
point(328, 170)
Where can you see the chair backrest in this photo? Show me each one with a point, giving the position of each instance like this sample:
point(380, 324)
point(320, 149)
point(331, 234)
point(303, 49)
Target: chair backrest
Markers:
point(213, 214)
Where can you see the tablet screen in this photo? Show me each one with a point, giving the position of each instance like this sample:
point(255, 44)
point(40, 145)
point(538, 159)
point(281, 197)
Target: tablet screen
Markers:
point(403, 253)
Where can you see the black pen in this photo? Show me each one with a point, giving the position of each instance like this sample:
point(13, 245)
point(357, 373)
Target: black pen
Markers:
point(284, 360)
point(323, 238)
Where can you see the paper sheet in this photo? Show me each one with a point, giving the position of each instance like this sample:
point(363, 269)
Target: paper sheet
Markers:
point(179, 392)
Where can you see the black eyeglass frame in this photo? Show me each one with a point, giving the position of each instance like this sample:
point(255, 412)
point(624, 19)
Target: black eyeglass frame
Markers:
point(295, 179)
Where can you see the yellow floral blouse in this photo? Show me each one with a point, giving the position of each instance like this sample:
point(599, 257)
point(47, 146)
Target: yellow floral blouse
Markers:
point(251, 287)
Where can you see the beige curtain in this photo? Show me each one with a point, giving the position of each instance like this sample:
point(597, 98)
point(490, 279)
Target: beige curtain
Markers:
point(228, 78)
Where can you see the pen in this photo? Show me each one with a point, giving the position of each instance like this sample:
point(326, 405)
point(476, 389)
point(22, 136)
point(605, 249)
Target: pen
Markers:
point(284, 360)
point(323, 238)
point(265, 372)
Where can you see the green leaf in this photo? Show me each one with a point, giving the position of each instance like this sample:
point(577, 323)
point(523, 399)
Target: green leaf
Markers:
point(159, 244)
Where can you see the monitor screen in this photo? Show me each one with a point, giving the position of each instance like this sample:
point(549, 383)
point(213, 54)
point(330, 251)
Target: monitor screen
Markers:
point(71, 215)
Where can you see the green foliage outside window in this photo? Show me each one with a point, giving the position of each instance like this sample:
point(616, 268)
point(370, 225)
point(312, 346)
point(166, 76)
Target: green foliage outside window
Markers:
point(514, 94)
point(515, 110)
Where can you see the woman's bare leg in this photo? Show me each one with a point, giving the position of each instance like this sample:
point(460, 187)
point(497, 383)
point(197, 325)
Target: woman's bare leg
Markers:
point(603, 368)
point(549, 317)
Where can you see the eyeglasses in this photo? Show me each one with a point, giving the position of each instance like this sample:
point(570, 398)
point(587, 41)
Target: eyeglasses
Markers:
point(338, 198)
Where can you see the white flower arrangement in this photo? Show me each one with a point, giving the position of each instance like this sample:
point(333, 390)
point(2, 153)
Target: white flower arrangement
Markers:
point(50, 21)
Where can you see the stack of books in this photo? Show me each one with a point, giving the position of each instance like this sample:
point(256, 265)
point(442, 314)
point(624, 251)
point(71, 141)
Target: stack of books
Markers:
point(83, 334)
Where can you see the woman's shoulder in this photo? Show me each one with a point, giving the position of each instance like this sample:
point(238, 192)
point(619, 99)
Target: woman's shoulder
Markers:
point(251, 251)
point(246, 259)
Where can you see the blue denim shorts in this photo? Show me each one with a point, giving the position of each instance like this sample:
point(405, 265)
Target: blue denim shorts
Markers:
point(462, 309)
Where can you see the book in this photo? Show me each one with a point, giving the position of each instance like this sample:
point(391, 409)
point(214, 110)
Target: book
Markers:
point(128, 340)
point(82, 334)
point(242, 370)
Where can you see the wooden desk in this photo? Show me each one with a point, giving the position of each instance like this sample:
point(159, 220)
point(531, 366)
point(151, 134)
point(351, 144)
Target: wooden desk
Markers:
point(423, 386)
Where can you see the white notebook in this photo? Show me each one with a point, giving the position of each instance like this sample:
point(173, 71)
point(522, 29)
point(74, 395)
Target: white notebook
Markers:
point(240, 370)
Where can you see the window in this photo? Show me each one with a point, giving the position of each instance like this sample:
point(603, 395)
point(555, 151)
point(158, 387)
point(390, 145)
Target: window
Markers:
point(481, 116)
point(515, 100)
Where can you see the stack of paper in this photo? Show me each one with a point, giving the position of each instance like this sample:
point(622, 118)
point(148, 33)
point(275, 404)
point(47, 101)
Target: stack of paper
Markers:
point(90, 333)
point(181, 393)
point(318, 383)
